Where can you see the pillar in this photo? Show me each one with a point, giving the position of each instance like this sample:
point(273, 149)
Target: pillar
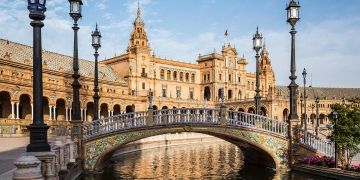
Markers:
point(85, 115)
point(54, 113)
point(50, 112)
point(109, 113)
point(66, 113)
point(32, 111)
point(12, 110)
point(70, 114)
point(82, 114)
point(17, 110)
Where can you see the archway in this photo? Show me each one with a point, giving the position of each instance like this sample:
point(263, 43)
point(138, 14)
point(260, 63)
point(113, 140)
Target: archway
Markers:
point(60, 110)
point(207, 94)
point(241, 110)
point(285, 114)
point(117, 109)
point(46, 109)
point(322, 118)
point(263, 111)
point(251, 110)
point(155, 107)
point(104, 110)
point(90, 111)
point(25, 107)
point(254, 151)
point(164, 107)
point(5, 105)
point(130, 108)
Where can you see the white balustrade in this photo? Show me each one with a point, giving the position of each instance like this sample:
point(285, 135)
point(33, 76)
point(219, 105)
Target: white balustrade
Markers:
point(320, 145)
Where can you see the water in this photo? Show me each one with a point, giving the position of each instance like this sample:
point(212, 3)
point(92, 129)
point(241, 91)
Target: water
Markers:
point(218, 160)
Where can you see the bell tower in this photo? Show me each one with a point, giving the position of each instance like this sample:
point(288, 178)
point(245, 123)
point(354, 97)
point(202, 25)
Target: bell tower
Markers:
point(267, 76)
point(138, 36)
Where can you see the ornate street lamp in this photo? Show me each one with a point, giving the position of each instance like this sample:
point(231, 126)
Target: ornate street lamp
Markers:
point(334, 115)
point(293, 17)
point(305, 113)
point(96, 43)
point(257, 45)
point(317, 116)
point(75, 13)
point(150, 98)
point(301, 110)
point(38, 130)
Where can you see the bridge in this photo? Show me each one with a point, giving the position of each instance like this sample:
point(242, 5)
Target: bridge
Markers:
point(262, 139)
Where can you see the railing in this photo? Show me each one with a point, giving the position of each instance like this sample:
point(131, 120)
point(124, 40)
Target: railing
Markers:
point(114, 123)
point(183, 116)
point(320, 145)
point(253, 121)
point(186, 116)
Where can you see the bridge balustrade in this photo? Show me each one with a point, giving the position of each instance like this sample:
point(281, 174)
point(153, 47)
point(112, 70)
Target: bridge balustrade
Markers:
point(186, 116)
point(115, 123)
point(253, 121)
point(310, 140)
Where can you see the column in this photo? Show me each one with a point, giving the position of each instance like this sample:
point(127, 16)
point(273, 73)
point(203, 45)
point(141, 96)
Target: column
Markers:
point(109, 113)
point(32, 111)
point(99, 115)
point(50, 112)
point(54, 109)
point(66, 113)
point(85, 116)
point(12, 110)
point(70, 114)
point(17, 110)
point(82, 114)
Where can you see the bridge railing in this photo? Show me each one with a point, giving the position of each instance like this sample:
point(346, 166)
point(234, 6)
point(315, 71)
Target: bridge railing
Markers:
point(310, 140)
point(114, 123)
point(253, 121)
point(186, 116)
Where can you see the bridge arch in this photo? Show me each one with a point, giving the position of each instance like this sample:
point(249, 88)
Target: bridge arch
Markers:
point(270, 151)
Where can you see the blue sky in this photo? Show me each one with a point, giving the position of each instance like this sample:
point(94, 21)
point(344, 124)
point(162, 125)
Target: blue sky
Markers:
point(327, 40)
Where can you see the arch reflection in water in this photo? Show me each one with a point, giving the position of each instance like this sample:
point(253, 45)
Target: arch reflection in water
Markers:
point(213, 160)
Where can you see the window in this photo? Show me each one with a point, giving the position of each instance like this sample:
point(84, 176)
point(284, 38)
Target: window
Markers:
point(229, 77)
point(220, 77)
point(208, 77)
point(191, 93)
point(163, 92)
point(193, 78)
point(143, 85)
point(162, 74)
point(204, 77)
point(239, 79)
point(178, 92)
point(181, 76)
point(174, 75)
point(168, 75)
point(187, 77)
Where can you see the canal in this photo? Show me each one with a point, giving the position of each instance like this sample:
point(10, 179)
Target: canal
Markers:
point(212, 160)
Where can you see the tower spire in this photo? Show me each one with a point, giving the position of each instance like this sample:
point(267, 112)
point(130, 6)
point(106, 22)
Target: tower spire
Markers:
point(138, 9)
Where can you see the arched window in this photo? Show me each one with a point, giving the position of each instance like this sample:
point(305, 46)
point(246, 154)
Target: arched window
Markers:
point(187, 77)
point(175, 75)
point(162, 74)
point(181, 76)
point(168, 75)
point(193, 78)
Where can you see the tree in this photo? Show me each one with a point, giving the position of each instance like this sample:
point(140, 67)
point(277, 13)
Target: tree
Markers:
point(347, 134)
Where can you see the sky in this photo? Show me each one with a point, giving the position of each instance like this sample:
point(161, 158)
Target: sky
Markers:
point(327, 42)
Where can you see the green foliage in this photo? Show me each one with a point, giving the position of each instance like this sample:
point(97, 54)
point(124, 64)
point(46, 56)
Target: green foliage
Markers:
point(347, 134)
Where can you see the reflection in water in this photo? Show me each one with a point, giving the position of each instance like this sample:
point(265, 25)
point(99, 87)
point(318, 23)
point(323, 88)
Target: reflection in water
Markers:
point(217, 160)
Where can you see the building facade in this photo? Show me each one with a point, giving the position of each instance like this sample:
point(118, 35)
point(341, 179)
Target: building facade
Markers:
point(126, 79)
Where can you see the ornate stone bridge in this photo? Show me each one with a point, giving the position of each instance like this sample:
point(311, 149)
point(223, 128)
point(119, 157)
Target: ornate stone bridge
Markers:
point(262, 139)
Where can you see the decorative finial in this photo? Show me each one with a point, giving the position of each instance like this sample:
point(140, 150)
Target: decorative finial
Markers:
point(96, 28)
point(138, 10)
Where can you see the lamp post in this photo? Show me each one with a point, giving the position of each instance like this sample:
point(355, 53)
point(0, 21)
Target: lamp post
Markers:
point(317, 116)
point(75, 13)
point(301, 110)
point(257, 45)
point(38, 130)
point(293, 17)
point(96, 43)
point(222, 97)
point(150, 98)
point(305, 96)
point(334, 115)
